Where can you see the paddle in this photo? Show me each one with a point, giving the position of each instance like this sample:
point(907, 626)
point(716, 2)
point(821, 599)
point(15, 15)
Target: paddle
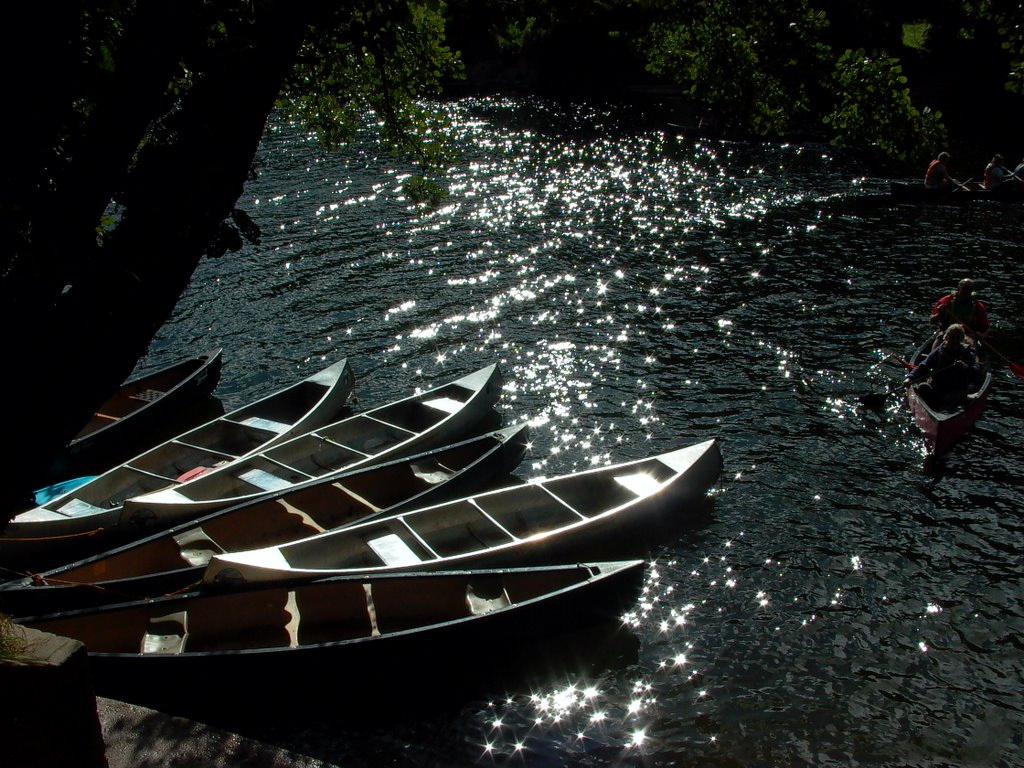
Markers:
point(877, 399)
point(1018, 370)
point(901, 361)
point(958, 187)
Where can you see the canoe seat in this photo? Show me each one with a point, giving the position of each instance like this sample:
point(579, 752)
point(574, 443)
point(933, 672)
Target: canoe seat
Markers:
point(166, 634)
point(149, 395)
point(480, 600)
point(193, 473)
point(268, 424)
point(197, 547)
point(393, 551)
point(444, 404)
point(265, 481)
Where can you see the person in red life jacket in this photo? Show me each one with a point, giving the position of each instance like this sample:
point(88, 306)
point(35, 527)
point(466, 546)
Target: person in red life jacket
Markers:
point(996, 173)
point(949, 373)
point(964, 308)
point(937, 176)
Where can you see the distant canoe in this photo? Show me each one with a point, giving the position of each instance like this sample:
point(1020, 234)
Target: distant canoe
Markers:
point(142, 407)
point(411, 424)
point(88, 518)
point(919, 193)
point(173, 560)
point(607, 512)
point(388, 632)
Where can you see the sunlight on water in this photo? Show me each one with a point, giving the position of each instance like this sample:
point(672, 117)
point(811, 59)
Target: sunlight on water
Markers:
point(643, 290)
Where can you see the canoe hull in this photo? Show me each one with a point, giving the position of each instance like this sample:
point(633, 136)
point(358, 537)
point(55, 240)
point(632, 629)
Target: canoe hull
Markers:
point(379, 639)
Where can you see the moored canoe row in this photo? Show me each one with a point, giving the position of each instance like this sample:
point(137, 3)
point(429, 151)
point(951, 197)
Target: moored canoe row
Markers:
point(405, 518)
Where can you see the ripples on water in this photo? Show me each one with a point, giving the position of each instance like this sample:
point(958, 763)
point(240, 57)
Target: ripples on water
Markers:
point(643, 290)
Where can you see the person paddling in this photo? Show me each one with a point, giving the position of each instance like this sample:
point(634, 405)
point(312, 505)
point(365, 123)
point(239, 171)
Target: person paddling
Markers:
point(964, 308)
point(996, 173)
point(937, 176)
point(949, 372)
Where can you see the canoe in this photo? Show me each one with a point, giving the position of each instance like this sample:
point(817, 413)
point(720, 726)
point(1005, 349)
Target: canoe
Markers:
point(89, 518)
point(173, 560)
point(942, 429)
point(919, 193)
point(409, 425)
point(350, 635)
point(606, 512)
point(144, 406)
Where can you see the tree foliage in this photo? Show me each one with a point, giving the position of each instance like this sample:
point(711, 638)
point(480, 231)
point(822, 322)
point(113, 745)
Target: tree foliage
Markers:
point(874, 108)
point(130, 165)
point(750, 63)
point(800, 65)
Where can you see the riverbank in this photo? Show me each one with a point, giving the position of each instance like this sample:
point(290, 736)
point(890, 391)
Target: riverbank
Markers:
point(137, 737)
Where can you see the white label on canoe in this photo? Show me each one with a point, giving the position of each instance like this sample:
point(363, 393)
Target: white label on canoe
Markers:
point(268, 424)
point(79, 508)
point(393, 551)
point(639, 483)
point(446, 404)
point(264, 480)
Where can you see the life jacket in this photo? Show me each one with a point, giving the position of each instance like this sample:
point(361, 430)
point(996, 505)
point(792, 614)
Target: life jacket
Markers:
point(962, 313)
point(935, 173)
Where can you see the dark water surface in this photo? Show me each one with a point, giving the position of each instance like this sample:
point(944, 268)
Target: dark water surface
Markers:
point(642, 290)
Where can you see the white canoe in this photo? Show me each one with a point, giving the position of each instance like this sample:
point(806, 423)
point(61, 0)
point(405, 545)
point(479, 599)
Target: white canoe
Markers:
point(416, 423)
point(602, 512)
point(80, 520)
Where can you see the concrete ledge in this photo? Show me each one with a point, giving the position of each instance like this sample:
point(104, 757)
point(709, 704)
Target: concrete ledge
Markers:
point(50, 715)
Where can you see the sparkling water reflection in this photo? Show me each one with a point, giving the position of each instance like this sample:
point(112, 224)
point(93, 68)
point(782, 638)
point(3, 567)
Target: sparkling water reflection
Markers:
point(643, 290)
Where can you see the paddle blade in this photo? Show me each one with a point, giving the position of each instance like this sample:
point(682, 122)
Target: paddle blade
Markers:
point(874, 399)
point(1018, 370)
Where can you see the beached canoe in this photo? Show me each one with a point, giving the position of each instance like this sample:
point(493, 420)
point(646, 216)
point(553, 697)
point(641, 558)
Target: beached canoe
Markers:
point(353, 635)
point(942, 428)
point(601, 513)
point(412, 424)
point(143, 407)
point(173, 560)
point(89, 519)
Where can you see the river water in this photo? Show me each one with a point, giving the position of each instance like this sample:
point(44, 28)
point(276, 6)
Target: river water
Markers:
point(643, 290)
